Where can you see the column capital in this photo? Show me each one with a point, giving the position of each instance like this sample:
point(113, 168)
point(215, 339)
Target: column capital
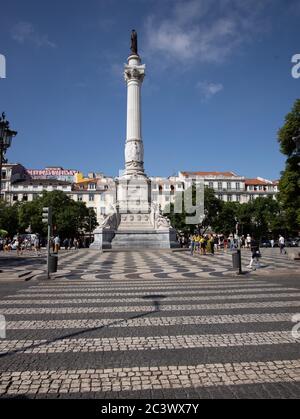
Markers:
point(134, 72)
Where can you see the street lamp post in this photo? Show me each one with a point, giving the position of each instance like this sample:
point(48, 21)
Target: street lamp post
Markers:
point(6, 136)
point(239, 251)
point(90, 226)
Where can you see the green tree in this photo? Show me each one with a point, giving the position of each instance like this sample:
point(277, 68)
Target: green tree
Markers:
point(227, 218)
point(70, 218)
point(9, 220)
point(212, 207)
point(30, 215)
point(289, 185)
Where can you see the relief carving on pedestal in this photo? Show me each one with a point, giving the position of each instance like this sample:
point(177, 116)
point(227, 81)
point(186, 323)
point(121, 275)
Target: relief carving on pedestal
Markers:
point(134, 151)
point(158, 220)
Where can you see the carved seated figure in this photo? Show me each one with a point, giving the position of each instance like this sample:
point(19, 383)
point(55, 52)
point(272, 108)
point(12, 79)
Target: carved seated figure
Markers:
point(158, 220)
point(162, 222)
point(111, 222)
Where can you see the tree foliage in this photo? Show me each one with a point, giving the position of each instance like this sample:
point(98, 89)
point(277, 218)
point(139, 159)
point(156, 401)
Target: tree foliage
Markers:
point(9, 220)
point(70, 218)
point(212, 207)
point(261, 218)
point(289, 185)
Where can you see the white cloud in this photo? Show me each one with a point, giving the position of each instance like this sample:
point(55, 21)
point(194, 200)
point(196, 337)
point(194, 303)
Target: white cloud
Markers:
point(208, 89)
point(203, 30)
point(24, 32)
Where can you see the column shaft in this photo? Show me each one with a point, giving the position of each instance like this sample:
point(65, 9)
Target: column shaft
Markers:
point(134, 110)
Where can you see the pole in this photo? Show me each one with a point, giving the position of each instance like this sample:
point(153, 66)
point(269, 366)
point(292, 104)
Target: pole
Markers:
point(48, 251)
point(1, 159)
point(90, 229)
point(239, 252)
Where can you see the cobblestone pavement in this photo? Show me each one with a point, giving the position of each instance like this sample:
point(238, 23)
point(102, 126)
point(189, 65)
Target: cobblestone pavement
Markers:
point(152, 325)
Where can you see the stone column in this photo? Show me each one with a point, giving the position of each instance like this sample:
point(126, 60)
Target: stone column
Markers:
point(134, 149)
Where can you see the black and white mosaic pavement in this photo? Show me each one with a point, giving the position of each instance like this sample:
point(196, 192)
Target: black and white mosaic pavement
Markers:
point(152, 325)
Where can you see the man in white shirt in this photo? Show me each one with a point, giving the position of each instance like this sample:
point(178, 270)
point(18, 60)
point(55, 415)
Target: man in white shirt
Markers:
point(248, 241)
point(282, 245)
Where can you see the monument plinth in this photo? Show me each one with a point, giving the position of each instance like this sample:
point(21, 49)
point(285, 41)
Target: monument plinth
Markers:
point(136, 222)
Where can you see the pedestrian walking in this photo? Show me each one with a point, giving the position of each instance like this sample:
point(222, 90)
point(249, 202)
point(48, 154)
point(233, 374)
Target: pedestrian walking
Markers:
point(255, 254)
point(19, 245)
point(243, 242)
point(248, 241)
point(37, 245)
point(282, 245)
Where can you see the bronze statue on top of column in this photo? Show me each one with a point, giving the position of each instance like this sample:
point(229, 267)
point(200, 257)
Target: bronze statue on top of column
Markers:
point(134, 43)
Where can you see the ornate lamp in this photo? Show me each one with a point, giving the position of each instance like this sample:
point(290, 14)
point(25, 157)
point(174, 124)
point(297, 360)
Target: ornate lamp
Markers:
point(6, 136)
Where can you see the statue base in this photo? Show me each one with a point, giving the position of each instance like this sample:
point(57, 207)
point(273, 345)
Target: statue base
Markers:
point(135, 232)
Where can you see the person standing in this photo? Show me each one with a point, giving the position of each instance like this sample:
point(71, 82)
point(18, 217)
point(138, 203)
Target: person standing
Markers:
point(255, 254)
point(76, 244)
point(192, 240)
point(211, 244)
point(216, 242)
point(66, 244)
point(56, 244)
point(231, 242)
point(19, 245)
point(272, 243)
point(282, 245)
point(36, 244)
point(225, 241)
point(248, 241)
point(198, 243)
point(243, 242)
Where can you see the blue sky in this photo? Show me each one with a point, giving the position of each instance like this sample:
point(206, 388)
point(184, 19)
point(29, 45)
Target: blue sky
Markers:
point(217, 88)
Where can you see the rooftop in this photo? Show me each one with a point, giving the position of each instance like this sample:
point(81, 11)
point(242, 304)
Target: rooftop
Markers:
point(256, 182)
point(216, 174)
point(44, 182)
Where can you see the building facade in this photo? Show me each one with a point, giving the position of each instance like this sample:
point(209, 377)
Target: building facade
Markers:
point(98, 191)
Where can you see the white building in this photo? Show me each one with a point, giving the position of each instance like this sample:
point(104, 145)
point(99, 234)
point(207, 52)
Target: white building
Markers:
point(98, 191)
point(11, 173)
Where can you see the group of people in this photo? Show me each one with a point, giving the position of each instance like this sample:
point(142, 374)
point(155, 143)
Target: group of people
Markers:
point(203, 244)
point(21, 244)
point(68, 243)
point(33, 242)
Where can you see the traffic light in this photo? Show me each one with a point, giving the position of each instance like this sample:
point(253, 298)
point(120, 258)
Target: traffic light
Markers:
point(47, 216)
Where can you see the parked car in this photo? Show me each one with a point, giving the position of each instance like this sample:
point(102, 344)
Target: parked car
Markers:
point(13, 245)
point(295, 242)
point(265, 243)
